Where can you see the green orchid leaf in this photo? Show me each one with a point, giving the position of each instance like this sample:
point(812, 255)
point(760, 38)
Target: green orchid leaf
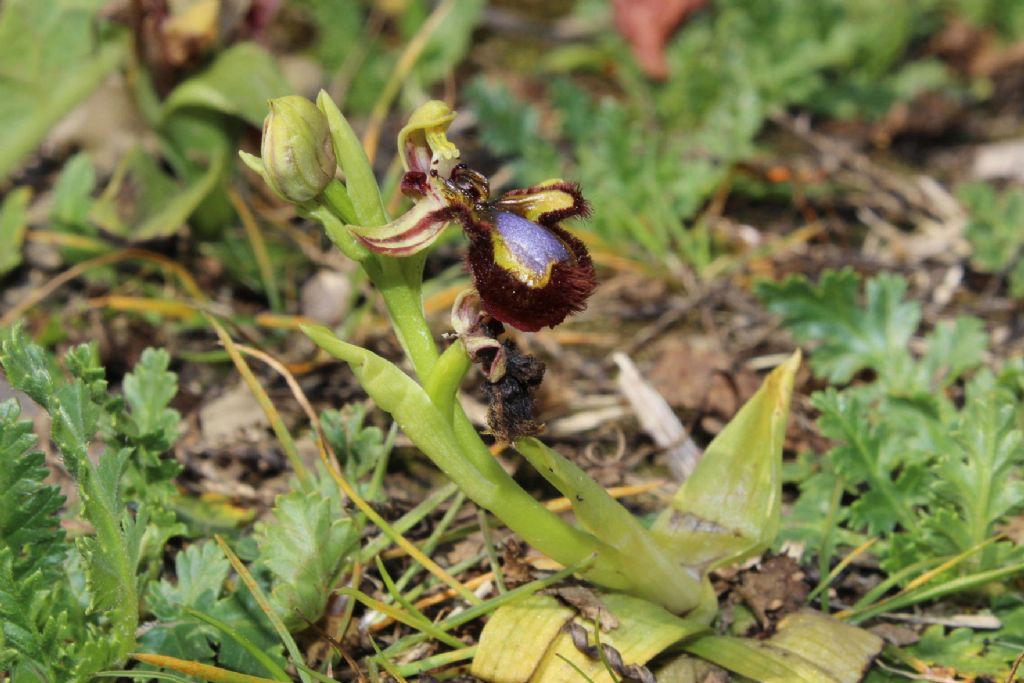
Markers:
point(238, 83)
point(808, 647)
point(516, 637)
point(525, 641)
point(40, 84)
point(729, 507)
point(13, 225)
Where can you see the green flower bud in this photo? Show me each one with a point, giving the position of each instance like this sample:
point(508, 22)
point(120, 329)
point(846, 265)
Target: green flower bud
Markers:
point(297, 152)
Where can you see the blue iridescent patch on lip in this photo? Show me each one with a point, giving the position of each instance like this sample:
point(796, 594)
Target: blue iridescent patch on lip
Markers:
point(532, 245)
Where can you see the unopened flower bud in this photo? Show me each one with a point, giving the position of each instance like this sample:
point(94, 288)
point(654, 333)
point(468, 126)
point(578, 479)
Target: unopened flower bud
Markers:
point(297, 151)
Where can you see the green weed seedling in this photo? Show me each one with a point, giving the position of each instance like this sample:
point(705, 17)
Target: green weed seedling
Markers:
point(928, 450)
point(72, 609)
point(993, 230)
point(528, 272)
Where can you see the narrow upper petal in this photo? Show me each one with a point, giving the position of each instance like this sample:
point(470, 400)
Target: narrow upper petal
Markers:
point(413, 231)
point(547, 203)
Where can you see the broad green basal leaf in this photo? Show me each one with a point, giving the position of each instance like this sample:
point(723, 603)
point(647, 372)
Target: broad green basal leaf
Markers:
point(809, 647)
point(142, 202)
point(53, 53)
point(13, 223)
point(238, 83)
point(525, 642)
point(729, 507)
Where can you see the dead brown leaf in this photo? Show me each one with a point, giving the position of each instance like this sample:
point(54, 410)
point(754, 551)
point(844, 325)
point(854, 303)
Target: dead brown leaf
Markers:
point(648, 24)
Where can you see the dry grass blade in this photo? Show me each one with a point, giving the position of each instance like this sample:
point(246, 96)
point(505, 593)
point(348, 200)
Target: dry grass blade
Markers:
point(261, 600)
point(259, 248)
point(213, 674)
point(565, 505)
point(843, 564)
point(41, 293)
point(276, 422)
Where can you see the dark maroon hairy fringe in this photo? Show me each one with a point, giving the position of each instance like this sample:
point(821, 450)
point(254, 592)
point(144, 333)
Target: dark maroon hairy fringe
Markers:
point(526, 308)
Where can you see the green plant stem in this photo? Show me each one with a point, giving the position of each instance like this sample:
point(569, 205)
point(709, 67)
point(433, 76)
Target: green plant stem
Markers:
point(344, 239)
point(652, 573)
point(435, 661)
point(405, 307)
point(444, 380)
point(489, 485)
point(335, 198)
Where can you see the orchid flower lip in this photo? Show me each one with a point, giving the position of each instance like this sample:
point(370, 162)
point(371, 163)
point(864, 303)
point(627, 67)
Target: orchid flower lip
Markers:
point(527, 249)
point(529, 271)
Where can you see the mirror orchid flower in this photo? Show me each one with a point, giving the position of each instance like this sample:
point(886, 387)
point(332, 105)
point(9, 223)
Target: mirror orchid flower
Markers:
point(530, 272)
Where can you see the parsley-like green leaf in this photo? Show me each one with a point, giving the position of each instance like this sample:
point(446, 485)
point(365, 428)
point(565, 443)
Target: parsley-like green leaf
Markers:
point(29, 527)
point(849, 337)
point(199, 584)
point(303, 546)
point(970, 653)
point(148, 390)
point(359, 448)
point(994, 231)
point(75, 412)
point(200, 571)
point(867, 456)
point(977, 479)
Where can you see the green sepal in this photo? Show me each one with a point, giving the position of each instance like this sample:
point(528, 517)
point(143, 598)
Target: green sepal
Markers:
point(359, 177)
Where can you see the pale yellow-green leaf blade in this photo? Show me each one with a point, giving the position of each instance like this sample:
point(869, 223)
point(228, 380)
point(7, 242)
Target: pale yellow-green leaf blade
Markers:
point(516, 638)
point(809, 647)
point(644, 630)
point(525, 643)
point(13, 225)
point(844, 651)
point(729, 507)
